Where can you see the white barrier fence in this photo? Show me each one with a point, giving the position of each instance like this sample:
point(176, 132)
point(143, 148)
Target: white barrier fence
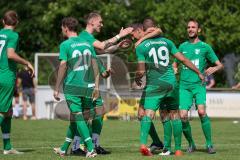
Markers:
point(220, 103)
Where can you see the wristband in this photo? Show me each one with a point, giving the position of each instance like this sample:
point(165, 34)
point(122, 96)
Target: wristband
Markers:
point(117, 37)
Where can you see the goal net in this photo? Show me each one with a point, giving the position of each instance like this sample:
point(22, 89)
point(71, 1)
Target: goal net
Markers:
point(115, 90)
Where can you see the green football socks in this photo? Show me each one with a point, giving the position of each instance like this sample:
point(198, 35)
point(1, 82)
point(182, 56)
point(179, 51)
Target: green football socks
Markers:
point(6, 129)
point(70, 134)
point(206, 127)
point(177, 133)
point(145, 127)
point(167, 127)
point(187, 132)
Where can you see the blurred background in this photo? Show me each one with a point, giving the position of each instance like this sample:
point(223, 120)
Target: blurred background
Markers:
point(40, 32)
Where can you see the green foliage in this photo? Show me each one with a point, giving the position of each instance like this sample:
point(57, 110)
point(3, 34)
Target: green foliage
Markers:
point(40, 20)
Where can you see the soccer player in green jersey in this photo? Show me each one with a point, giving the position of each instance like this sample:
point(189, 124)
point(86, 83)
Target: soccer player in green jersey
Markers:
point(94, 24)
point(76, 56)
point(191, 86)
point(148, 24)
point(8, 58)
point(161, 88)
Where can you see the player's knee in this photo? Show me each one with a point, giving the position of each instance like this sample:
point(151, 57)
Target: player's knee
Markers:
point(201, 113)
point(141, 112)
point(77, 116)
point(184, 116)
point(164, 115)
point(150, 113)
point(174, 114)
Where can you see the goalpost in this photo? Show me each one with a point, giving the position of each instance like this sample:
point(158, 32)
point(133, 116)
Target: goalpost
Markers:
point(46, 65)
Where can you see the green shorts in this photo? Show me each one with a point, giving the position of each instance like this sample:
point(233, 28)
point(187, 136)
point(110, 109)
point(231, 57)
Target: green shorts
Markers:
point(6, 96)
point(190, 92)
point(77, 103)
point(164, 100)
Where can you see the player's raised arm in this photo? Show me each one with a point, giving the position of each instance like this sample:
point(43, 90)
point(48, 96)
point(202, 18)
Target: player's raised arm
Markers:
point(150, 30)
point(107, 43)
point(189, 64)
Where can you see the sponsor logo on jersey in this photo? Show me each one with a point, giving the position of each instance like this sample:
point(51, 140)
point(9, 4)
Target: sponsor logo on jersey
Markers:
point(197, 51)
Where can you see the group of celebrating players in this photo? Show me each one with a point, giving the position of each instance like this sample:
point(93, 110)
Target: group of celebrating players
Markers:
point(80, 69)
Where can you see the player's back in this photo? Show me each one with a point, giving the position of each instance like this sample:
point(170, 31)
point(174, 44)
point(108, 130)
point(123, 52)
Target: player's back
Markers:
point(156, 54)
point(78, 53)
point(8, 39)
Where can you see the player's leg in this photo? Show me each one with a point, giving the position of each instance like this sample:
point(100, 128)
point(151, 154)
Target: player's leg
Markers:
point(6, 96)
point(146, 122)
point(167, 131)
point(177, 131)
point(200, 92)
point(157, 143)
point(185, 100)
point(97, 124)
point(24, 103)
point(69, 136)
point(172, 103)
point(32, 101)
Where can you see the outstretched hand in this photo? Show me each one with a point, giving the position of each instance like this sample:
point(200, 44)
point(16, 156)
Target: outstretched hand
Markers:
point(125, 32)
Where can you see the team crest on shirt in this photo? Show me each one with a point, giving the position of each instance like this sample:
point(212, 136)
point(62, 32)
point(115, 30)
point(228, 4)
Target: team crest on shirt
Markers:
point(197, 51)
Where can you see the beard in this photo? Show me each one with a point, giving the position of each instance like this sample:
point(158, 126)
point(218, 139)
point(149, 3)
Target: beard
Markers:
point(192, 36)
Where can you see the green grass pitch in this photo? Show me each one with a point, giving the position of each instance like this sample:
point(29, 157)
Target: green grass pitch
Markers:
point(37, 138)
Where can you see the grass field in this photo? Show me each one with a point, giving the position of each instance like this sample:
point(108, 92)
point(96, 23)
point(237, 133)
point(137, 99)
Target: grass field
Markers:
point(37, 138)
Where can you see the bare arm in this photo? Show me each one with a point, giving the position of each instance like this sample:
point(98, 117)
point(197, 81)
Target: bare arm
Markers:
point(214, 69)
point(150, 33)
point(95, 94)
point(108, 50)
point(61, 74)
point(189, 64)
point(107, 43)
point(175, 67)
point(15, 57)
point(140, 73)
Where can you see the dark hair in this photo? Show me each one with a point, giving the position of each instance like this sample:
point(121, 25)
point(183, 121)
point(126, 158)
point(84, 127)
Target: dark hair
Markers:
point(10, 18)
point(148, 23)
point(91, 16)
point(195, 21)
point(136, 26)
point(71, 23)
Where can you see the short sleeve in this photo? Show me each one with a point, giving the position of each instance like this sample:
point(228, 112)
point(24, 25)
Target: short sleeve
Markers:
point(140, 53)
point(211, 56)
point(13, 41)
point(92, 39)
point(63, 52)
point(173, 48)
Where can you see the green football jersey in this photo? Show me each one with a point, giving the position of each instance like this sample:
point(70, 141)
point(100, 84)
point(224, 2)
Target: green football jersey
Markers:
point(78, 53)
point(156, 55)
point(198, 53)
point(8, 39)
point(90, 39)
